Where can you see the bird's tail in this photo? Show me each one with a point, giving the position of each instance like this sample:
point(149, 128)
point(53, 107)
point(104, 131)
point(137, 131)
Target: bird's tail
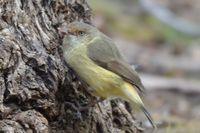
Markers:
point(132, 95)
point(148, 115)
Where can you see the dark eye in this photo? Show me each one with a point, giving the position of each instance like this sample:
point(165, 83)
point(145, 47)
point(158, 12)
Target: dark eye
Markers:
point(80, 33)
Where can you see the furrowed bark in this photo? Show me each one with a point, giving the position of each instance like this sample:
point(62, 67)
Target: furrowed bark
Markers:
point(38, 92)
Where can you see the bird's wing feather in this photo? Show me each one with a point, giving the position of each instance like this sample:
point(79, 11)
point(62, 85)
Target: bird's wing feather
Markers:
point(104, 53)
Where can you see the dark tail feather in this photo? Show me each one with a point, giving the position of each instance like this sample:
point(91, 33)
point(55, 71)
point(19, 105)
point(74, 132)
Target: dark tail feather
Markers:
point(148, 115)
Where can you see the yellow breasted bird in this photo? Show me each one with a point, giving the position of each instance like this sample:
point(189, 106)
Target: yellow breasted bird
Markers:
point(97, 61)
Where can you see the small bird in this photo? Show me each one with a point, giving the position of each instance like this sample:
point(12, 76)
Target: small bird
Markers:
point(97, 61)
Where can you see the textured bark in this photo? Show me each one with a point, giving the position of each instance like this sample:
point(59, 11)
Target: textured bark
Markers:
point(38, 93)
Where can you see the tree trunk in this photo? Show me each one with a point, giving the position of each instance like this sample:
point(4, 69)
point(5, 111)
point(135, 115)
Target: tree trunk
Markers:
point(38, 93)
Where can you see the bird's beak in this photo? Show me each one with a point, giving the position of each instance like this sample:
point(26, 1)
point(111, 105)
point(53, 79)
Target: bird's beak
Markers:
point(63, 30)
point(66, 32)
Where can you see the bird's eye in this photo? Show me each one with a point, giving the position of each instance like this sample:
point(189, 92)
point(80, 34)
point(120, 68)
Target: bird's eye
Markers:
point(80, 33)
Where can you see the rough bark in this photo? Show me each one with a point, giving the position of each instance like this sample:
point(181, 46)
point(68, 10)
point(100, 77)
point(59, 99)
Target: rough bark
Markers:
point(38, 93)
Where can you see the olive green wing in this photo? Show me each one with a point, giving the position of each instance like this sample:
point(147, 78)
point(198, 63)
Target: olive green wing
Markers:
point(104, 53)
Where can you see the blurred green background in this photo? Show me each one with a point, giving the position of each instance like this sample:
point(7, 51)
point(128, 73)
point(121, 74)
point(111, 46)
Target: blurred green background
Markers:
point(162, 39)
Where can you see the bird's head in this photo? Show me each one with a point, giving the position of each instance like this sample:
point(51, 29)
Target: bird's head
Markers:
point(83, 32)
point(78, 33)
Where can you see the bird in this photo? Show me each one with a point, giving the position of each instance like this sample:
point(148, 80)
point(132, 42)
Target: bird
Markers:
point(97, 61)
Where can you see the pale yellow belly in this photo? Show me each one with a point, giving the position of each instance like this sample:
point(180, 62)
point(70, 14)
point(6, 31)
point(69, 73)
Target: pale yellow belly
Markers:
point(105, 83)
point(102, 82)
